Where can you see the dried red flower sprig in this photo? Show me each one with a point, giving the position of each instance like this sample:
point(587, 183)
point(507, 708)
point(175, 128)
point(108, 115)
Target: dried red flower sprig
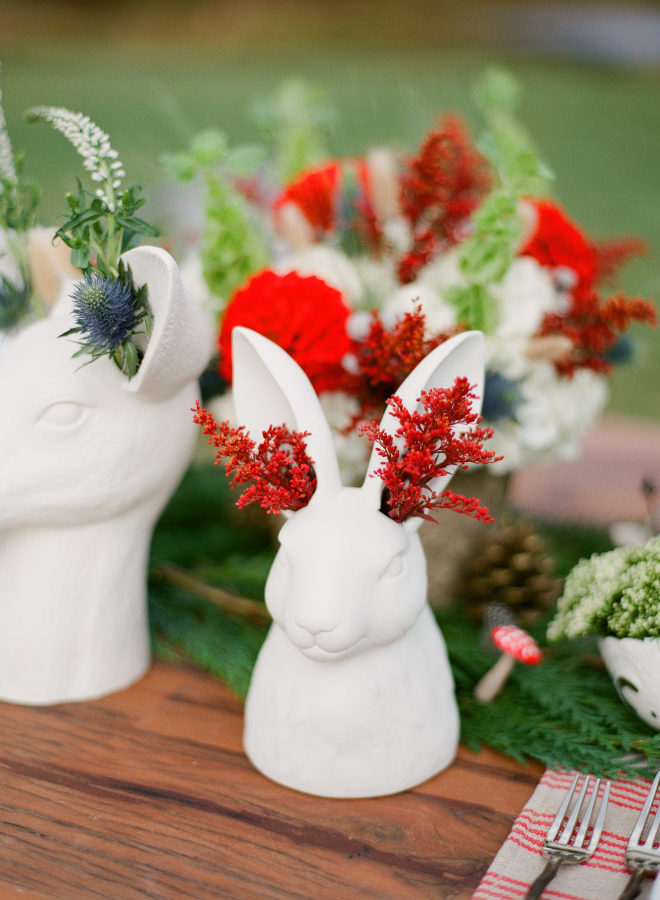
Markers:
point(386, 356)
point(440, 188)
point(614, 253)
point(278, 472)
point(446, 433)
point(591, 324)
point(593, 327)
point(304, 315)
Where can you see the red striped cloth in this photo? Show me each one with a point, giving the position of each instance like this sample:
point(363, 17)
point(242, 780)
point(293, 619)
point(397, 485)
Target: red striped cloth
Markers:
point(521, 859)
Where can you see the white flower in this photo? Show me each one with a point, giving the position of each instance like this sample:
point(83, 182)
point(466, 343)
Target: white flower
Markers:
point(328, 264)
point(523, 297)
point(553, 415)
point(92, 144)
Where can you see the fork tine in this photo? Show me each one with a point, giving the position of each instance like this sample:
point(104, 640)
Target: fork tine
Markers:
point(648, 843)
point(565, 836)
point(586, 818)
point(641, 821)
point(600, 820)
point(561, 812)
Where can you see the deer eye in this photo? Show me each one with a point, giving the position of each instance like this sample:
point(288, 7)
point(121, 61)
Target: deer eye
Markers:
point(63, 414)
point(394, 568)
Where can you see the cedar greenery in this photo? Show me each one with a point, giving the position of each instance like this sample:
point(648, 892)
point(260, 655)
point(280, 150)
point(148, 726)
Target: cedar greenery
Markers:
point(564, 712)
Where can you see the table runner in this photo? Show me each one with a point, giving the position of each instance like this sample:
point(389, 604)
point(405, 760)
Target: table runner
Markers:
point(602, 877)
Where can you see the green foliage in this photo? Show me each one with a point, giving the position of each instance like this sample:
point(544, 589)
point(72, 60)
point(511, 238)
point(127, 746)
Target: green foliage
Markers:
point(564, 712)
point(97, 237)
point(19, 199)
point(294, 119)
point(231, 246)
point(14, 303)
point(486, 256)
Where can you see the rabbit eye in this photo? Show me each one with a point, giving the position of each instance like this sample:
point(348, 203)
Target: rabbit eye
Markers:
point(63, 414)
point(394, 568)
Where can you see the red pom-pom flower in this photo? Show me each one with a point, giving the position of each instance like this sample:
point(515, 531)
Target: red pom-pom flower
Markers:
point(304, 315)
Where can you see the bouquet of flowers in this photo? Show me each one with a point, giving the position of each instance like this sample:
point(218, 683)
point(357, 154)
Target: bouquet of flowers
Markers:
point(375, 260)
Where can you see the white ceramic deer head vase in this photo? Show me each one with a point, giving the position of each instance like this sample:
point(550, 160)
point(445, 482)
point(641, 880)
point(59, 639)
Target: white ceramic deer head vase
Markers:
point(88, 459)
point(352, 694)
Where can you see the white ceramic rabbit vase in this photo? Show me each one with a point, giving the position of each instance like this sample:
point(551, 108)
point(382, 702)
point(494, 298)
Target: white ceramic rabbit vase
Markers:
point(352, 694)
point(88, 459)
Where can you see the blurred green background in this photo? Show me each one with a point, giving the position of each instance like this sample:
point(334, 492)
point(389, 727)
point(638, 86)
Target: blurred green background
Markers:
point(154, 73)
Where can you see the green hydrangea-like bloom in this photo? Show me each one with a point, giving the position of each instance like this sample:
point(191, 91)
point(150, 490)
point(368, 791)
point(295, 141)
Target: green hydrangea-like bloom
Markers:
point(616, 593)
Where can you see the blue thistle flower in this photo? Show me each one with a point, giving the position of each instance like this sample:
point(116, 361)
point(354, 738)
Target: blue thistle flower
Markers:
point(108, 312)
point(105, 311)
point(502, 397)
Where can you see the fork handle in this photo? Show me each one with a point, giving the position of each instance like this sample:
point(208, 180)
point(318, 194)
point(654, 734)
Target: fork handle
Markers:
point(634, 886)
point(546, 876)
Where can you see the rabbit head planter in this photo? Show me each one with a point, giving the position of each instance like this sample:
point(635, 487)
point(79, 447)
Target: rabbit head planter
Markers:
point(352, 693)
point(88, 459)
point(634, 667)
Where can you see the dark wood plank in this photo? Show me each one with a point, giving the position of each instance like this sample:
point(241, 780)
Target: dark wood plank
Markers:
point(148, 794)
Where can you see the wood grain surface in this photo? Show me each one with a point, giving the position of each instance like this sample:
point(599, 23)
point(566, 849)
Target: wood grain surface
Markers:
point(147, 793)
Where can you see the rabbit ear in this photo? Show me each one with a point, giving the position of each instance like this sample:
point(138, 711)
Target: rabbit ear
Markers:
point(270, 388)
point(180, 344)
point(460, 356)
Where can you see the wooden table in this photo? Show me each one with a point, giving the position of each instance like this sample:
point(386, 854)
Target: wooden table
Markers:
point(148, 794)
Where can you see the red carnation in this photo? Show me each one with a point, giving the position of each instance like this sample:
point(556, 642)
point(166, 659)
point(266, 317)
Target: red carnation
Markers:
point(558, 242)
point(314, 191)
point(304, 315)
point(336, 197)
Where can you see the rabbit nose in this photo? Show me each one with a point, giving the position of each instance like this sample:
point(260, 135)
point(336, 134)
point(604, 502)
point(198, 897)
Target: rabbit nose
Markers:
point(315, 621)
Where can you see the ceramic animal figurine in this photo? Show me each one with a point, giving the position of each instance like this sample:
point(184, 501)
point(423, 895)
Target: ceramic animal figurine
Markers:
point(88, 459)
point(352, 694)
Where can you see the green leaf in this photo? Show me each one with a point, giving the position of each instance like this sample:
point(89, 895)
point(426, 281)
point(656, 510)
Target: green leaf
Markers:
point(80, 257)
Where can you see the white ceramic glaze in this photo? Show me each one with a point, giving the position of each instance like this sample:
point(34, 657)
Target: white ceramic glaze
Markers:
point(352, 694)
point(634, 666)
point(88, 460)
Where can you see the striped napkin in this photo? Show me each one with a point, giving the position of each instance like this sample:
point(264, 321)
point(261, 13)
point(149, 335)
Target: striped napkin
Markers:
point(602, 877)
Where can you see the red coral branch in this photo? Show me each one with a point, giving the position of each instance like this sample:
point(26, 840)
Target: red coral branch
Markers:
point(278, 471)
point(445, 434)
point(441, 187)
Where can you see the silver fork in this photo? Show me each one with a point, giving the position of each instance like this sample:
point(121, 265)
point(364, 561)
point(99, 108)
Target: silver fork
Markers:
point(641, 856)
point(561, 848)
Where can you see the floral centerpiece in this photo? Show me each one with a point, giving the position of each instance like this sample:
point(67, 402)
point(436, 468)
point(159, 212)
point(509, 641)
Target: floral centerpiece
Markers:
point(455, 237)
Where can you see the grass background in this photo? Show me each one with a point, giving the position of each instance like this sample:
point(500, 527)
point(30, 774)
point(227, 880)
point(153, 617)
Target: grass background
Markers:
point(152, 74)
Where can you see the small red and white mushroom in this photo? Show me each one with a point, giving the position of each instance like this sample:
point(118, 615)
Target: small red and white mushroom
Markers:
point(516, 645)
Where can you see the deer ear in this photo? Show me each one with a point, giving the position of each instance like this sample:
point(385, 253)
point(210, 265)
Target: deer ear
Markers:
point(270, 388)
point(460, 356)
point(180, 344)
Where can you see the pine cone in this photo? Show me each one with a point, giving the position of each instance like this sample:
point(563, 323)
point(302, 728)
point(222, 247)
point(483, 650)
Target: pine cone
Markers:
point(513, 569)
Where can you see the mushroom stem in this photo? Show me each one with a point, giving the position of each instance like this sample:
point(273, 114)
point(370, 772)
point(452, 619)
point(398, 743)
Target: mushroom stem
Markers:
point(492, 682)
